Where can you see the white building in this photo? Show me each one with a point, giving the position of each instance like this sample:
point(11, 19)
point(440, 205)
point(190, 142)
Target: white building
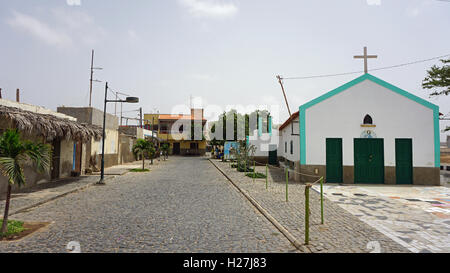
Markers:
point(369, 131)
point(289, 143)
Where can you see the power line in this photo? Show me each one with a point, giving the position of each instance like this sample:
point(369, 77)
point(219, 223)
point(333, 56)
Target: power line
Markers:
point(361, 71)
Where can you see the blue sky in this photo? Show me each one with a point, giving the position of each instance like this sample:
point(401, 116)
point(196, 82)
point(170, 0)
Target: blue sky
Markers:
point(226, 52)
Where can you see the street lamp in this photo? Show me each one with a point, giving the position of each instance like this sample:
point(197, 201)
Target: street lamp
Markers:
point(127, 100)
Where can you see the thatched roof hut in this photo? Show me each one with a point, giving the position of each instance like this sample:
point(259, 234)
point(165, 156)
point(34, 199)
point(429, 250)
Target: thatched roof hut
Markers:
point(46, 125)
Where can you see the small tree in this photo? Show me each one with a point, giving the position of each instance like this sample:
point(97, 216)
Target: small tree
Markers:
point(141, 147)
point(165, 150)
point(438, 79)
point(14, 153)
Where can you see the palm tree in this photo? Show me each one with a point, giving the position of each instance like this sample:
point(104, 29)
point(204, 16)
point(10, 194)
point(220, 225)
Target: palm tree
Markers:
point(14, 153)
point(141, 147)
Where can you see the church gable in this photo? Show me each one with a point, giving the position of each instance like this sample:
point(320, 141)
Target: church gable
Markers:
point(365, 97)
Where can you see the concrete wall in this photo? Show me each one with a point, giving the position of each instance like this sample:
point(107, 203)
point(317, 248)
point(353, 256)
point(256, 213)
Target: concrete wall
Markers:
point(91, 115)
point(126, 143)
point(394, 115)
point(31, 179)
point(94, 116)
point(66, 158)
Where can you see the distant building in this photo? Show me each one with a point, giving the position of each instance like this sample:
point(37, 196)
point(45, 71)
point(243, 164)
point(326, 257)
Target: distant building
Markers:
point(183, 133)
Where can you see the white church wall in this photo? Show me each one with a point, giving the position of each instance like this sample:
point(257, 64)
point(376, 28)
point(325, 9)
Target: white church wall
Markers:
point(394, 115)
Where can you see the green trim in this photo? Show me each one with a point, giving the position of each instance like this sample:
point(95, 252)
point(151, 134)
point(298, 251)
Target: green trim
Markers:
point(437, 148)
point(260, 123)
point(435, 108)
point(270, 125)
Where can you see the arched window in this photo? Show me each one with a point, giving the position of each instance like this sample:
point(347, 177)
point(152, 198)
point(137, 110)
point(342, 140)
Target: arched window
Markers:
point(367, 120)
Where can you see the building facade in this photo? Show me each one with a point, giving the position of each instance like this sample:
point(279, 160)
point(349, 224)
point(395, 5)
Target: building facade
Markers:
point(64, 133)
point(369, 131)
point(94, 117)
point(183, 133)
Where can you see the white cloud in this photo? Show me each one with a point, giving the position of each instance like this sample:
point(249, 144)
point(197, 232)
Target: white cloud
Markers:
point(132, 35)
point(202, 77)
point(39, 30)
point(373, 2)
point(210, 8)
point(415, 9)
point(62, 28)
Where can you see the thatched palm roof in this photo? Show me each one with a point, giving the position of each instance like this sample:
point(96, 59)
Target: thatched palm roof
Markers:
point(49, 126)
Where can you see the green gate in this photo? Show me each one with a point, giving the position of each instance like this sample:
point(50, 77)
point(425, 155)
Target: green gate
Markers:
point(334, 160)
point(369, 160)
point(273, 158)
point(403, 161)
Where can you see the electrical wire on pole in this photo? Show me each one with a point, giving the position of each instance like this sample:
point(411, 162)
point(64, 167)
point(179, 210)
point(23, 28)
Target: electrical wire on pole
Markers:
point(362, 71)
point(280, 80)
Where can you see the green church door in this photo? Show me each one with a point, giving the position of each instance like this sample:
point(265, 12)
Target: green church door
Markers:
point(369, 160)
point(403, 161)
point(334, 160)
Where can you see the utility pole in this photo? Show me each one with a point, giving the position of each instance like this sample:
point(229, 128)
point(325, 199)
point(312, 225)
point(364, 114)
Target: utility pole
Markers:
point(17, 95)
point(91, 79)
point(280, 80)
point(0, 93)
point(115, 105)
point(121, 107)
point(140, 116)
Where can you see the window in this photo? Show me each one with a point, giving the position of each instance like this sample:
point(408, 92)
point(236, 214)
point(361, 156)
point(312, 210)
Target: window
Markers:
point(367, 120)
point(285, 147)
point(292, 147)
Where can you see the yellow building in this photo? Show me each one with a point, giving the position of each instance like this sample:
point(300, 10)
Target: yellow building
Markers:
point(184, 133)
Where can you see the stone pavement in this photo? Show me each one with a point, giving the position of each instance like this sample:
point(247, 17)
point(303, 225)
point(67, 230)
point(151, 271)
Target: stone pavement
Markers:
point(43, 192)
point(417, 217)
point(342, 232)
point(184, 205)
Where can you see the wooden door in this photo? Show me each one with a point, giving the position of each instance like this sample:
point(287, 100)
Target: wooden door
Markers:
point(334, 160)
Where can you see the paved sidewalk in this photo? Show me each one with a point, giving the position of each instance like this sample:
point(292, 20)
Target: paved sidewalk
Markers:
point(47, 191)
point(342, 232)
point(417, 217)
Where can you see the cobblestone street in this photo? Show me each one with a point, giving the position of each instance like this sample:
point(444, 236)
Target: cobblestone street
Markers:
point(342, 231)
point(183, 205)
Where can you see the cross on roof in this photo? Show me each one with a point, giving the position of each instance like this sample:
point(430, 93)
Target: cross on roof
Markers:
point(365, 57)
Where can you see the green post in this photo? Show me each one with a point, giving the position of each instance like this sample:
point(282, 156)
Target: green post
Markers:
point(307, 213)
point(321, 199)
point(287, 179)
point(266, 178)
point(254, 173)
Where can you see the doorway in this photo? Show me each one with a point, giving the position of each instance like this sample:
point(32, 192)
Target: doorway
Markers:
point(334, 160)
point(176, 148)
point(369, 160)
point(403, 161)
